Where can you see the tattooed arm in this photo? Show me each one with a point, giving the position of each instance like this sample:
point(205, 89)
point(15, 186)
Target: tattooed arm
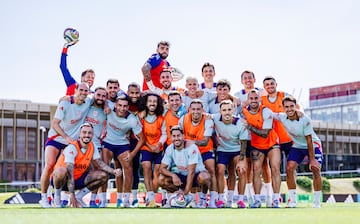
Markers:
point(103, 166)
point(71, 184)
point(261, 132)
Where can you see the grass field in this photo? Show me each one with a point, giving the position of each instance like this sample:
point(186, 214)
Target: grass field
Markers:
point(340, 213)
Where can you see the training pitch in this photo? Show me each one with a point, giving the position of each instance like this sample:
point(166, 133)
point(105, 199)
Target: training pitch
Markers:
point(340, 213)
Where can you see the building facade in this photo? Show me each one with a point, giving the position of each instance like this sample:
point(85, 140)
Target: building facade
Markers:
point(335, 111)
point(23, 132)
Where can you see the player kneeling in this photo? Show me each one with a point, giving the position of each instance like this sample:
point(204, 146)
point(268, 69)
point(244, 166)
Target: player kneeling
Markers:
point(187, 171)
point(72, 170)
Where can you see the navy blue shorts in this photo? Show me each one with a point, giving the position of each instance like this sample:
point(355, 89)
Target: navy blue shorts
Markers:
point(79, 183)
point(116, 149)
point(183, 179)
point(225, 157)
point(208, 155)
point(298, 155)
point(286, 147)
point(56, 144)
point(264, 151)
point(151, 156)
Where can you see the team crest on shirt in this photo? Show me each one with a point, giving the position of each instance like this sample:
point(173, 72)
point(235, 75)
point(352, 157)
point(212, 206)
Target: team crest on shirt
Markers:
point(95, 113)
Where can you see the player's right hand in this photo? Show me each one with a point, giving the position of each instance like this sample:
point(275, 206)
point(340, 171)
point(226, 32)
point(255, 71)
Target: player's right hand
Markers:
point(66, 45)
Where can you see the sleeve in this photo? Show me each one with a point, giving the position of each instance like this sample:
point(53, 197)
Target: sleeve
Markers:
point(163, 137)
point(60, 110)
point(70, 153)
point(308, 128)
point(268, 120)
point(244, 133)
point(96, 154)
point(193, 152)
point(69, 80)
point(154, 60)
point(167, 159)
point(136, 125)
point(211, 96)
point(209, 127)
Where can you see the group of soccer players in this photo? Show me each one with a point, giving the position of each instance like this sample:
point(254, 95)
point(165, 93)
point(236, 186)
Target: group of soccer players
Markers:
point(191, 141)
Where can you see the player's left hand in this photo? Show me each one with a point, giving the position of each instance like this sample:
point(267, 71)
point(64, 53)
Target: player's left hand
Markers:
point(241, 166)
point(314, 165)
point(118, 172)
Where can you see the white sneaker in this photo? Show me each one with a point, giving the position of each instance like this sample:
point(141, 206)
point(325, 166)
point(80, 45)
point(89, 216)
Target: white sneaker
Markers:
point(291, 204)
point(44, 203)
point(57, 202)
point(82, 203)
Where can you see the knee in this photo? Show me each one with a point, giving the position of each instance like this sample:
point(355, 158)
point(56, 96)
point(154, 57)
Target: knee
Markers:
point(203, 178)
point(60, 173)
point(290, 169)
point(161, 181)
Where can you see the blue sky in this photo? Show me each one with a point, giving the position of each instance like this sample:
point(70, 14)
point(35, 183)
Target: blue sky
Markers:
point(303, 44)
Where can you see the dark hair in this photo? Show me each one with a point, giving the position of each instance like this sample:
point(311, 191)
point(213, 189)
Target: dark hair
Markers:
point(196, 101)
point(225, 102)
point(288, 98)
point(174, 93)
point(269, 78)
point(176, 128)
point(133, 84)
point(223, 83)
point(112, 81)
point(143, 100)
point(101, 88)
point(86, 71)
point(164, 42)
point(247, 71)
point(207, 64)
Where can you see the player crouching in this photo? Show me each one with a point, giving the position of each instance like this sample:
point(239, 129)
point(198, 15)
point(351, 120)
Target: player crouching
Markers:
point(188, 169)
point(72, 170)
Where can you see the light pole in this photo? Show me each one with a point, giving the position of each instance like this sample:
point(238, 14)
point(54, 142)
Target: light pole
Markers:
point(43, 130)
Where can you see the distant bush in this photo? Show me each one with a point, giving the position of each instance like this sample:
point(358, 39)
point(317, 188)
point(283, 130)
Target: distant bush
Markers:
point(32, 190)
point(356, 184)
point(305, 183)
point(325, 185)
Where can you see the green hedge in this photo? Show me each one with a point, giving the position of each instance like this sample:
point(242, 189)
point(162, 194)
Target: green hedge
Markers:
point(356, 184)
point(304, 182)
point(325, 185)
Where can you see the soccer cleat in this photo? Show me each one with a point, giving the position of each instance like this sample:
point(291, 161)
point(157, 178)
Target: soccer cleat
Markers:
point(45, 203)
point(119, 203)
point(126, 204)
point(241, 204)
point(256, 204)
point(163, 202)
point(135, 203)
point(151, 204)
point(228, 204)
point(57, 202)
point(276, 204)
point(64, 203)
point(93, 204)
point(220, 204)
point(316, 205)
point(81, 202)
point(102, 204)
point(291, 204)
